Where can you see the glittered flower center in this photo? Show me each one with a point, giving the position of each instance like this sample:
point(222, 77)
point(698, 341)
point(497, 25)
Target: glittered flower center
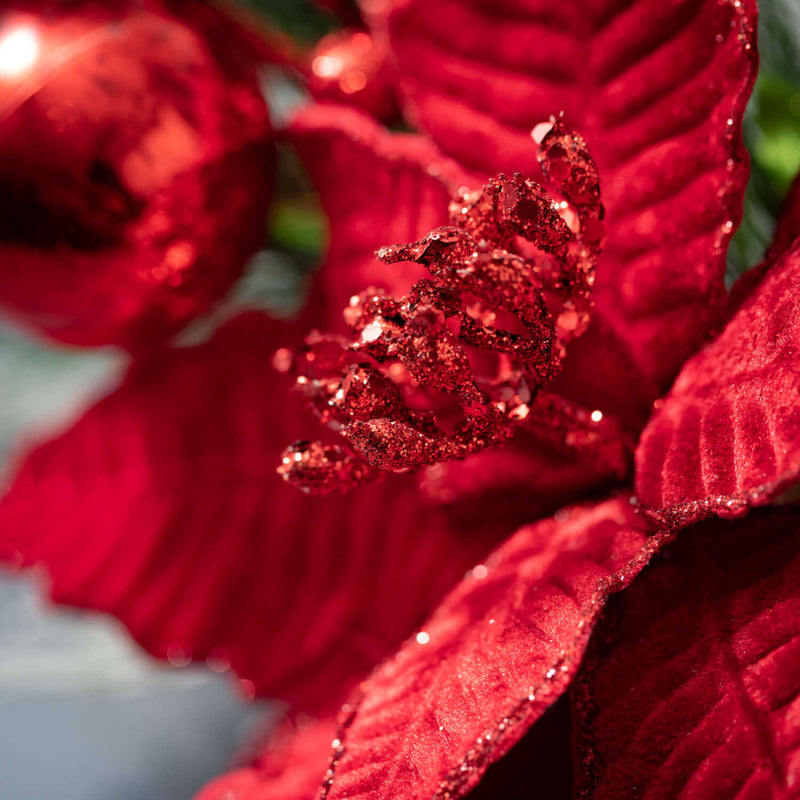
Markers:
point(457, 365)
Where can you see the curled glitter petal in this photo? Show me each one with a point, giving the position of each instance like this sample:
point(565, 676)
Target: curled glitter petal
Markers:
point(455, 366)
point(390, 444)
point(365, 393)
point(565, 160)
point(527, 210)
point(316, 468)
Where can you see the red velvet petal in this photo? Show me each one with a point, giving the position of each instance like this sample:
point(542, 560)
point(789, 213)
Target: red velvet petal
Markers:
point(652, 87)
point(692, 685)
point(135, 169)
point(295, 761)
point(728, 434)
point(376, 188)
point(163, 507)
point(522, 480)
point(290, 768)
point(495, 655)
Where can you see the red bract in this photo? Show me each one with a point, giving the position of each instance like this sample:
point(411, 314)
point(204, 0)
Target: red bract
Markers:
point(727, 437)
point(657, 90)
point(709, 643)
point(499, 650)
point(162, 506)
point(135, 169)
point(691, 680)
point(289, 768)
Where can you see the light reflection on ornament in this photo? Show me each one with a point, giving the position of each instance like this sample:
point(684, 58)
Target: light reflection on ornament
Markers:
point(19, 51)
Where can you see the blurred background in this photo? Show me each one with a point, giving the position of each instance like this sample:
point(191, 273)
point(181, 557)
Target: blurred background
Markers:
point(84, 714)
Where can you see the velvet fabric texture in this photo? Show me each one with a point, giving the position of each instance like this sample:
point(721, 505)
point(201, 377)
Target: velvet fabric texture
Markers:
point(161, 504)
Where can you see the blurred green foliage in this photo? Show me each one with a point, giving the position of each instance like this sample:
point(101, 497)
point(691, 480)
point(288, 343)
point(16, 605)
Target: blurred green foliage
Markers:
point(771, 131)
point(776, 145)
point(297, 227)
point(303, 20)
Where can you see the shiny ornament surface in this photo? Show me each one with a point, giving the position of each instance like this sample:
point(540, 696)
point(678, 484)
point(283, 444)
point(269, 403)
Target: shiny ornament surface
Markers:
point(135, 168)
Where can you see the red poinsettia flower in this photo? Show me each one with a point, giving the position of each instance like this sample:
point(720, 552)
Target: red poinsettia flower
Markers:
point(161, 505)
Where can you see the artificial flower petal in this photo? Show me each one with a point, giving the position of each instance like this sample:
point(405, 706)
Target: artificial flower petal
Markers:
point(727, 437)
point(289, 768)
point(522, 480)
point(375, 188)
point(691, 686)
point(657, 89)
point(488, 663)
point(162, 506)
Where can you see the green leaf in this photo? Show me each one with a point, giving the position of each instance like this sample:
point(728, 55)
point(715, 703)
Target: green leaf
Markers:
point(300, 19)
point(771, 132)
point(297, 228)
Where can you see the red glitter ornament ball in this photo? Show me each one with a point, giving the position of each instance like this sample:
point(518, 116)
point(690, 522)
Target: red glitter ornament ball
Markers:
point(135, 167)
